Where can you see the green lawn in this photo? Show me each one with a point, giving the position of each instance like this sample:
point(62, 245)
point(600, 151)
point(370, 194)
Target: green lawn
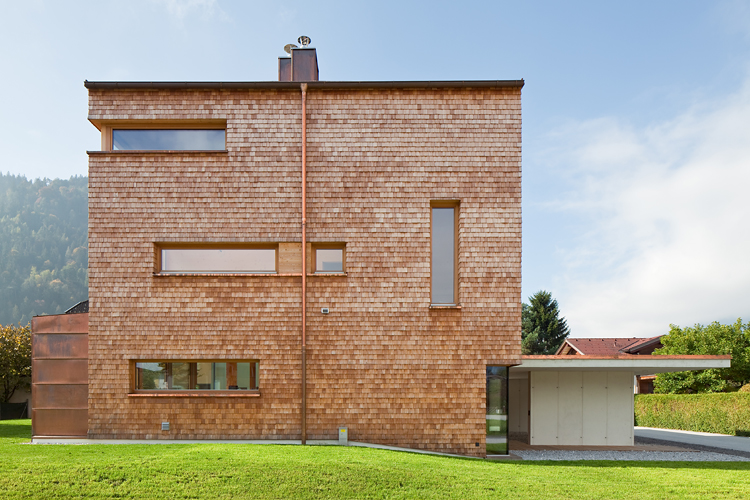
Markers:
point(273, 471)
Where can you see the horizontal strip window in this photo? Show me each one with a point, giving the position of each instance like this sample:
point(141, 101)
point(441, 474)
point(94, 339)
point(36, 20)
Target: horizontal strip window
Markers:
point(168, 140)
point(217, 260)
point(196, 376)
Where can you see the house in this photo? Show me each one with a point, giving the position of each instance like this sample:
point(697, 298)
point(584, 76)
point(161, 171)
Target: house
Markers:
point(609, 346)
point(644, 384)
point(301, 261)
point(279, 260)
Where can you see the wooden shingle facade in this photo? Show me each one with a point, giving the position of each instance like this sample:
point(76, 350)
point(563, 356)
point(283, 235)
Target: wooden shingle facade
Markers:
point(382, 361)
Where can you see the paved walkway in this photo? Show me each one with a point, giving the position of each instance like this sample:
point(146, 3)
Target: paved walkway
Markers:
point(705, 439)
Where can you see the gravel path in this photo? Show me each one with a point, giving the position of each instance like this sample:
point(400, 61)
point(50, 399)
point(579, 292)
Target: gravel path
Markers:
point(670, 456)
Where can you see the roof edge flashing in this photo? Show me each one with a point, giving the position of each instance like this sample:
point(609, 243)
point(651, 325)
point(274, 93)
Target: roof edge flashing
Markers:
point(111, 85)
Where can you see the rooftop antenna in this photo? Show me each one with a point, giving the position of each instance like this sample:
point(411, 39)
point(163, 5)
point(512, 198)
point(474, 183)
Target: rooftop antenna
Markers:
point(288, 48)
point(304, 41)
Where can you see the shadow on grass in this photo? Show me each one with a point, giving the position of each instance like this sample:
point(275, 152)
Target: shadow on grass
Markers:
point(15, 429)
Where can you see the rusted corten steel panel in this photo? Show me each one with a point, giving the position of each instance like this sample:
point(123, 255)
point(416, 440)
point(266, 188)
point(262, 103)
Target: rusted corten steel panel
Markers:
point(285, 69)
point(60, 371)
point(60, 346)
point(63, 396)
point(59, 422)
point(304, 65)
point(61, 323)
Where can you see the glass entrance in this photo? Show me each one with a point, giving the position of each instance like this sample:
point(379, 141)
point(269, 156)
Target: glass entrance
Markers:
point(497, 410)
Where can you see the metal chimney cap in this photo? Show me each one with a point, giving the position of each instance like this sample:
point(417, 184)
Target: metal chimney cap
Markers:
point(304, 41)
point(288, 48)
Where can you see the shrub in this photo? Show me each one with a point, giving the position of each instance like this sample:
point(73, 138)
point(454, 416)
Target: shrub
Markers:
point(712, 339)
point(15, 360)
point(723, 413)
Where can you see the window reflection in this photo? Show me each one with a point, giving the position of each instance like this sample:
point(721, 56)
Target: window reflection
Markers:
point(443, 255)
point(201, 375)
point(168, 140)
point(497, 410)
point(329, 260)
point(218, 260)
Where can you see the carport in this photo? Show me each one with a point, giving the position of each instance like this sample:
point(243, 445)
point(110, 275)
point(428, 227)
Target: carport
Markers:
point(584, 400)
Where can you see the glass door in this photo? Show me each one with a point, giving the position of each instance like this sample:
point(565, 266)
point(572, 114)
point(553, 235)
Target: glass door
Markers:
point(497, 410)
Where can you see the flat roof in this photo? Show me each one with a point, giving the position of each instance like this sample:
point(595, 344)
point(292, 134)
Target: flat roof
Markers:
point(296, 85)
point(639, 365)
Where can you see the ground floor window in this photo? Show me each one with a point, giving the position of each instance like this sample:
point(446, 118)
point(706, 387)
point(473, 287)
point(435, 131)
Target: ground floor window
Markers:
point(196, 375)
point(497, 410)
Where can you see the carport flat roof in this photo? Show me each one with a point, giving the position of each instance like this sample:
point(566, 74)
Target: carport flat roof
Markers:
point(638, 365)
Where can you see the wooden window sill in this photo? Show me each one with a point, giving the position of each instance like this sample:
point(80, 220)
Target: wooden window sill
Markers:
point(445, 306)
point(195, 394)
point(327, 274)
point(160, 151)
point(233, 275)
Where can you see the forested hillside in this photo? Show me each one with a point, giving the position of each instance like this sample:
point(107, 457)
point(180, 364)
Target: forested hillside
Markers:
point(43, 246)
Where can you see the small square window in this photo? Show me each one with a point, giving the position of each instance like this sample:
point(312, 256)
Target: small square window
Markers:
point(329, 259)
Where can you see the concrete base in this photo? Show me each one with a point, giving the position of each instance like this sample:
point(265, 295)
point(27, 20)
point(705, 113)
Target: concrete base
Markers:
point(696, 438)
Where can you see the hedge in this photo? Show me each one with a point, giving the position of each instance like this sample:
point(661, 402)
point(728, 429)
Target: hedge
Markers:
point(723, 413)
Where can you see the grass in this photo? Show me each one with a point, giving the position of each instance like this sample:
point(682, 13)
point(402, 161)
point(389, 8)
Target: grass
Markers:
point(273, 471)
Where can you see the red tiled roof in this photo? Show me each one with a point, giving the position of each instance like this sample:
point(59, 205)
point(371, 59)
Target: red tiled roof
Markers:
point(608, 346)
point(631, 356)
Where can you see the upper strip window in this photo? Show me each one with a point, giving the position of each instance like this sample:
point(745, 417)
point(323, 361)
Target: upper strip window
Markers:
point(217, 260)
point(168, 139)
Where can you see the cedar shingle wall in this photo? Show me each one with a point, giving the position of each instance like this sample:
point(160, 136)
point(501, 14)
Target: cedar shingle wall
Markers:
point(381, 363)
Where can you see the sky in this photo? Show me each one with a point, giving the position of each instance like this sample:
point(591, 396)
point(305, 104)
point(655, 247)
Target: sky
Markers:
point(636, 119)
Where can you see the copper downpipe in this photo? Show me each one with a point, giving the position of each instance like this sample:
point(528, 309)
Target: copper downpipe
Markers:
point(304, 262)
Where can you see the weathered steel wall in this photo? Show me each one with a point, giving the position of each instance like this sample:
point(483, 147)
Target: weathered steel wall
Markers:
point(59, 375)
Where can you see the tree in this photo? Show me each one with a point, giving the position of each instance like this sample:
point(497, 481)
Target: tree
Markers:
point(712, 339)
point(15, 360)
point(43, 246)
point(542, 331)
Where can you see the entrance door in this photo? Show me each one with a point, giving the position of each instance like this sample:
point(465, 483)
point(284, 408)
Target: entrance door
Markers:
point(497, 410)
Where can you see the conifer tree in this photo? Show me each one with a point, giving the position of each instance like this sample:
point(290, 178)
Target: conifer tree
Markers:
point(542, 330)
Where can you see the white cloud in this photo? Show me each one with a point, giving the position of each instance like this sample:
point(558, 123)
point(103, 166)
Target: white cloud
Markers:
point(666, 237)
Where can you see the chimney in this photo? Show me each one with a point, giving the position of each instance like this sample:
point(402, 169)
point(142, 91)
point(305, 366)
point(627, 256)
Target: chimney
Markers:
point(285, 69)
point(302, 66)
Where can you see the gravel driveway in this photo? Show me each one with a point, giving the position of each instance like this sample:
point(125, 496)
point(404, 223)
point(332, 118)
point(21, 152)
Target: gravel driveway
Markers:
point(691, 453)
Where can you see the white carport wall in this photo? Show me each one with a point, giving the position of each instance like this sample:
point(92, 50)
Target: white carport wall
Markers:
point(585, 400)
point(581, 408)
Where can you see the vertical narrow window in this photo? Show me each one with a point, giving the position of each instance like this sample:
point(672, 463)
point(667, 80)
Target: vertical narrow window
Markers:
point(444, 254)
point(497, 410)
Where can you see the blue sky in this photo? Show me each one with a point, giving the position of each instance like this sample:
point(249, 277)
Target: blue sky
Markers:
point(636, 119)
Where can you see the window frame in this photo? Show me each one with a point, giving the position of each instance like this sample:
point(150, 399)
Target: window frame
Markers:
point(456, 206)
point(327, 246)
point(135, 391)
point(108, 126)
point(159, 246)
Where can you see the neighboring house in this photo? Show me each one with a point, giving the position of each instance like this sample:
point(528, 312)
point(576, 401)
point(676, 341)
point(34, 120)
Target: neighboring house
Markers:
point(282, 260)
point(644, 384)
point(609, 346)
